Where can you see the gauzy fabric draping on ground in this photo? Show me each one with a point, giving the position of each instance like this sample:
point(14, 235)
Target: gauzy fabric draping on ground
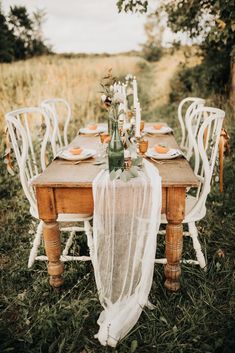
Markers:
point(125, 225)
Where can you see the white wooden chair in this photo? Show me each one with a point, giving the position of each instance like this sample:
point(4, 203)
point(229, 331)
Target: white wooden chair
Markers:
point(20, 124)
point(54, 108)
point(187, 107)
point(205, 142)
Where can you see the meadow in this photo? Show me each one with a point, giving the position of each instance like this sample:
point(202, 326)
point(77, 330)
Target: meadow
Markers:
point(34, 317)
point(27, 83)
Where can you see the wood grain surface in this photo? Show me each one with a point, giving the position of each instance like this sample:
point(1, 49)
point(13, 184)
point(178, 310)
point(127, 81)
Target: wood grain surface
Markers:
point(59, 173)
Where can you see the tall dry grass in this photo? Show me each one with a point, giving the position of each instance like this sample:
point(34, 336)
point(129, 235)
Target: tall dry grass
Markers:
point(27, 83)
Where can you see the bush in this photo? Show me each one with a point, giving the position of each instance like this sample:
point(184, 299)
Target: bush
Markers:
point(152, 52)
point(209, 78)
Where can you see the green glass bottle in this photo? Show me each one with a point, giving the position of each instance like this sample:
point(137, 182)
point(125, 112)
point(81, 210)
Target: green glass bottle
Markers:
point(116, 150)
point(110, 127)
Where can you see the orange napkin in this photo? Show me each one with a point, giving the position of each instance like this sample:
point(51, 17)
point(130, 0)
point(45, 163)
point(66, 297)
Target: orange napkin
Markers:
point(161, 149)
point(92, 127)
point(158, 126)
point(76, 150)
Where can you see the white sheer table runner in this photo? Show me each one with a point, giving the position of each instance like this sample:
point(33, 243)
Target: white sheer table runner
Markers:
point(125, 226)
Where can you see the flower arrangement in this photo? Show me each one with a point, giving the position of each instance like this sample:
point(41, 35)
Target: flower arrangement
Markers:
point(111, 96)
point(121, 148)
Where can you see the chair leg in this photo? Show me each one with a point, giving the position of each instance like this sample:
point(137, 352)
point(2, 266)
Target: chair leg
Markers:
point(68, 243)
point(196, 245)
point(88, 231)
point(36, 244)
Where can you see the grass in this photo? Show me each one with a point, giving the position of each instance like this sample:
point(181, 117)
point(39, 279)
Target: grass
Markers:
point(27, 83)
point(199, 318)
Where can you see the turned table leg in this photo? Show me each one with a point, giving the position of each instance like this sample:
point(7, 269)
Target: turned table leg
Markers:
point(174, 236)
point(51, 234)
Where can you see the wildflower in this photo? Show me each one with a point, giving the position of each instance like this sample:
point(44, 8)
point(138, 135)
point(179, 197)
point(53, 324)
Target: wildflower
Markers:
point(129, 77)
point(103, 97)
point(118, 97)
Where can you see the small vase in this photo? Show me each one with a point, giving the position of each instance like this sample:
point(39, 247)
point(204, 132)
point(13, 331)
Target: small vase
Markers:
point(116, 150)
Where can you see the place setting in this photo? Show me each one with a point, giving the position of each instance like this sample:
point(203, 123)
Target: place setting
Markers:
point(162, 154)
point(93, 129)
point(157, 129)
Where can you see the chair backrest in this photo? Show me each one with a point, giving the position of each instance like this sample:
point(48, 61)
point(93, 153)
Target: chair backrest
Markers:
point(186, 107)
point(24, 127)
point(59, 113)
point(204, 133)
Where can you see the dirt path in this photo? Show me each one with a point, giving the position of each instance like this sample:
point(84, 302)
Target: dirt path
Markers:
point(163, 71)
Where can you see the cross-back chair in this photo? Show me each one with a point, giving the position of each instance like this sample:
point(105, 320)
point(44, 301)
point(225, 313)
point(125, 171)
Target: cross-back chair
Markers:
point(205, 141)
point(58, 109)
point(21, 125)
point(187, 107)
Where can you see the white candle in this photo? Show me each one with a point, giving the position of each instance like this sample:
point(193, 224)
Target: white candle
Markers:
point(135, 94)
point(137, 120)
point(124, 97)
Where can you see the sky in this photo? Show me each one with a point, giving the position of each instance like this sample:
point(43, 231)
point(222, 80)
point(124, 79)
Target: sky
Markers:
point(91, 26)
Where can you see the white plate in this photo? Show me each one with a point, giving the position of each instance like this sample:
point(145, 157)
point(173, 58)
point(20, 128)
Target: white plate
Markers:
point(87, 131)
point(171, 154)
point(86, 153)
point(163, 130)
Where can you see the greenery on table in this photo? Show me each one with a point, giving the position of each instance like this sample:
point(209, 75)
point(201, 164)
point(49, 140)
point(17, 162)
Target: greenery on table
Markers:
point(124, 175)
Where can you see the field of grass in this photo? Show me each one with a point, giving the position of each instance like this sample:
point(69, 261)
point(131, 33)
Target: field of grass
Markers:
point(27, 83)
point(33, 317)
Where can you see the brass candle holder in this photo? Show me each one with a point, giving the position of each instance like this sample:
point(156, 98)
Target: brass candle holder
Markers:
point(141, 125)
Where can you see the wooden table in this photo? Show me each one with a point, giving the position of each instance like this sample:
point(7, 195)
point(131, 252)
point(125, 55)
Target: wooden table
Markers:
point(67, 188)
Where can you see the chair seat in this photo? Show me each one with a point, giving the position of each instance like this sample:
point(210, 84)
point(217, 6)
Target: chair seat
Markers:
point(66, 217)
point(190, 203)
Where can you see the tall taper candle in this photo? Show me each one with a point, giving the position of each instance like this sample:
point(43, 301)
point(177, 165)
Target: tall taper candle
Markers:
point(137, 120)
point(135, 94)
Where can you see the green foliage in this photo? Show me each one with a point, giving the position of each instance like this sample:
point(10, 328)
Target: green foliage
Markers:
point(211, 21)
point(152, 52)
point(20, 34)
point(6, 41)
point(132, 5)
point(214, 21)
point(152, 49)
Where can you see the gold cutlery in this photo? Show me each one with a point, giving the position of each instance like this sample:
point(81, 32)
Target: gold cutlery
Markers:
point(162, 162)
point(76, 162)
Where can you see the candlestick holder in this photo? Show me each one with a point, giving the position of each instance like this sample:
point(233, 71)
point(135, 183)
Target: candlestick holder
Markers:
point(141, 125)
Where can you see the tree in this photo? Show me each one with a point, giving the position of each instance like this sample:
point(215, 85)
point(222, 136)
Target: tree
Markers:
point(152, 49)
point(213, 21)
point(6, 41)
point(38, 43)
point(22, 28)
point(21, 34)
point(132, 5)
